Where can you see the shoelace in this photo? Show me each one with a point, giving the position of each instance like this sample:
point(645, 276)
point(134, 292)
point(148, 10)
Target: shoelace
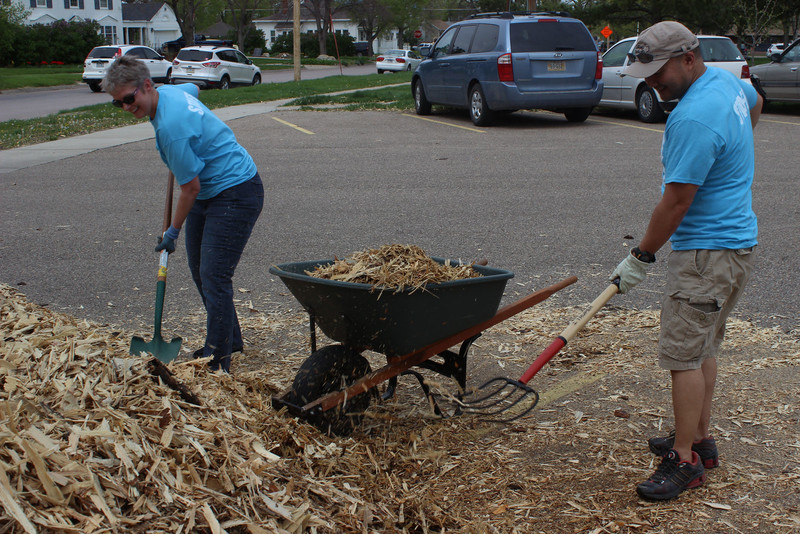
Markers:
point(667, 467)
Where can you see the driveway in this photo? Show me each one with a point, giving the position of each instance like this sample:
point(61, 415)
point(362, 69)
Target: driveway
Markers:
point(537, 195)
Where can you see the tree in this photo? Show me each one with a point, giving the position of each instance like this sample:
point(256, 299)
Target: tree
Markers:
point(373, 17)
point(406, 15)
point(322, 11)
point(241, 17)
point(186, 12)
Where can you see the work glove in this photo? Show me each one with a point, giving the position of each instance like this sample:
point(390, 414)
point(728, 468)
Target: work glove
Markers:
point(630, 272)
point(167, 241)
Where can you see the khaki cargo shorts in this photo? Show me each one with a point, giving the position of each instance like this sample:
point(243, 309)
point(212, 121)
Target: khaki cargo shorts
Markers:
point(703, 287)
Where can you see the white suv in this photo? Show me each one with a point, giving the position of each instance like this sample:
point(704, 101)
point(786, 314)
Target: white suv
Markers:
point(214, 66)
point(100, 57)
point(627, 92)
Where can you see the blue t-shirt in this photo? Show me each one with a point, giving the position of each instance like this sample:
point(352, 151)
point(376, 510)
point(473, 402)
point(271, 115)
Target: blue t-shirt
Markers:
point(193, 142)
point(708, 141)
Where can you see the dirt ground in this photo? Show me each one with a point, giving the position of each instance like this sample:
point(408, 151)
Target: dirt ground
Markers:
point(570, 466)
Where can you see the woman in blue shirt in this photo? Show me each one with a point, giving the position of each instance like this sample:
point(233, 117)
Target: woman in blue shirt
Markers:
point(221, 194)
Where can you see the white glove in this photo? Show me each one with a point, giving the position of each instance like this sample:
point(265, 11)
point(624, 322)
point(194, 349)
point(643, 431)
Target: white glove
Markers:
point(630, 272)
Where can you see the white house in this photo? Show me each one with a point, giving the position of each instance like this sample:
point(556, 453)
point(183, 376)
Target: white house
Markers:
point(282, 23)
point(108, 13)
point(150, 24)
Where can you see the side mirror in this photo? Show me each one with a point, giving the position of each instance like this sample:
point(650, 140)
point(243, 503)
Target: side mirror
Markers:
point(425, 50)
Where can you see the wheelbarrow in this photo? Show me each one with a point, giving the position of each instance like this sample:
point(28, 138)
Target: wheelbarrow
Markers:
point(335, 384)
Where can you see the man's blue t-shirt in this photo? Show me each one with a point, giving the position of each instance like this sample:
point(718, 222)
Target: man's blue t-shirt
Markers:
point(708, 141)
point(193, 142)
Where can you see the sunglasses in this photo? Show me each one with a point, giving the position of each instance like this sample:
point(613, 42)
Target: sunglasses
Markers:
point(127, 99)
point(647, 57)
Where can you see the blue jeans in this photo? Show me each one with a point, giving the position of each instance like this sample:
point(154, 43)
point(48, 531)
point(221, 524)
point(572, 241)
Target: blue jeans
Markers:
point(216, 233)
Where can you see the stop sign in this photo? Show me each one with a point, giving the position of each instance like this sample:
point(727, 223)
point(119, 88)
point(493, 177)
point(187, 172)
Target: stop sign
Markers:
point(417, 34)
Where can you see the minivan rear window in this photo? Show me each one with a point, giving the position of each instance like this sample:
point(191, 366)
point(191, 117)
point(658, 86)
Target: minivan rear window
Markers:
point(194, 55)
point(719, 50)
point(550, 36)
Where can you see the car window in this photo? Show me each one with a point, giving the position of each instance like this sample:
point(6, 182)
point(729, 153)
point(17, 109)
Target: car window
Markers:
point(103, 52)
point(443, 44)
point(485, 38)
point(194, 55)
point(793, 54)
point(241, 58)
point(226, 55)
point(718, 50)
point(615, 57)
point(150, 54)
point(551, 37)
point(135, 52)
point(463, 39)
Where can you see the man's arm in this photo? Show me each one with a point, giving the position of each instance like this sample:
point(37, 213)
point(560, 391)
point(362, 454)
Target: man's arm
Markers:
point(667, 215)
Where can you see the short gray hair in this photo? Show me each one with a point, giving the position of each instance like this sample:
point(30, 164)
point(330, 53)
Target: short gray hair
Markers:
point(126, 70)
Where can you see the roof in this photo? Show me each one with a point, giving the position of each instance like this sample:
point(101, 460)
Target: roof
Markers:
point(140, 11)
point(218, 29)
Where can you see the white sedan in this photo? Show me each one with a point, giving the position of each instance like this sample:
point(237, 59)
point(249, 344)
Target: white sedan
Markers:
point(397, 60)
point(776, 48)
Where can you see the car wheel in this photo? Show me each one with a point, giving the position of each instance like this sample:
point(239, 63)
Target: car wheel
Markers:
point(421, 104)
point(647, 106)
point(380, 71)
point(225, 83)
point(169, 75)
point(408, 68)
point(257, 79)
point(479, 111)
point(577, 114)
point(95, 87)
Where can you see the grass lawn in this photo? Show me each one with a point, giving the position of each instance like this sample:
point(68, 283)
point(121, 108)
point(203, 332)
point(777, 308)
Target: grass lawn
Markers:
point(44, 76)
point(15, 133)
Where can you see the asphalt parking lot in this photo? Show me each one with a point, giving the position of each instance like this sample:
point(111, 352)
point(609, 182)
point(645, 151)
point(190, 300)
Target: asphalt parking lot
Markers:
point(535, 194)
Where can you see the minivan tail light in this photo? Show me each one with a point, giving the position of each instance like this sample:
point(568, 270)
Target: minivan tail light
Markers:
point(211, 64)
point(598, 71)
point(745, 72)
point(505, 70)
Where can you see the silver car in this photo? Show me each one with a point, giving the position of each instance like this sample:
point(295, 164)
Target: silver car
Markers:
point(627, 92)
point(780, 79)
point(397, 60)
point(214, 66)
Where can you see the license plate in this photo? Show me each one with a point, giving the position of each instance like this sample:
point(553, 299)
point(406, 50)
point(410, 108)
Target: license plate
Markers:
point(556, 66)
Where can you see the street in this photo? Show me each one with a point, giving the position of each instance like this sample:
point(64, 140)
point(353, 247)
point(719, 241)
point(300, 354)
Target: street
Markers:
point(30, 103)
point(535, 194)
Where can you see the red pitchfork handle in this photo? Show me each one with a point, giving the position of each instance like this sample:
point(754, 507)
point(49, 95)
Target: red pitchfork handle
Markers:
point(569, 333)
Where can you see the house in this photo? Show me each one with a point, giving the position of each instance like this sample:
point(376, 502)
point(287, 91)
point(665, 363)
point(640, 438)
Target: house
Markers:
point(108, 13)
point(282, 23)
point(149, 24)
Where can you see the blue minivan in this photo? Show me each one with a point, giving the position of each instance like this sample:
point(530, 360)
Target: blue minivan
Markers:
point(494, 62)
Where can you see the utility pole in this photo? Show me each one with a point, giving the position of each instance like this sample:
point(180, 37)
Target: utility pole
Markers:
point(296, 40)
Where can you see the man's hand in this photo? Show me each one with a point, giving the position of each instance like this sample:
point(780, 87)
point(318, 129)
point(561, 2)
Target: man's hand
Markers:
point(167, 241)
point(630, 272)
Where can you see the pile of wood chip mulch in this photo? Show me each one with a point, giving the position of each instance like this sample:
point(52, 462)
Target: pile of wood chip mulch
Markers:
point(93, 442)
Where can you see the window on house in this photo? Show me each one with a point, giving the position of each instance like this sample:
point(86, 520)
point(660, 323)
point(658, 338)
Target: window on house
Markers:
point(272, 35)
point(41, 3)
point(74, 4)
point(109, 33)
point(103, 4)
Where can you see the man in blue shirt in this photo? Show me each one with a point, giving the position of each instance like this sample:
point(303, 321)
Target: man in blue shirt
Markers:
point(706, 214)
point(221, 192)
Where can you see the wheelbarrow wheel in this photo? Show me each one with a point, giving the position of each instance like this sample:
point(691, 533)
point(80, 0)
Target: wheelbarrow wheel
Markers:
point(330, 369)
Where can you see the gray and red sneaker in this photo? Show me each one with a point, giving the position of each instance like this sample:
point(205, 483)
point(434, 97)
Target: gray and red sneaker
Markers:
point(706, 448)
point(673, 477)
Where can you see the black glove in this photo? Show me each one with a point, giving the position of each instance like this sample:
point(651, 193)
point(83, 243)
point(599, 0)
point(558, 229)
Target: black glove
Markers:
point(167, 241)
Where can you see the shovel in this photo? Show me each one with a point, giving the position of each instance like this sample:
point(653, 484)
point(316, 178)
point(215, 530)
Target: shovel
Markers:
point(158, 347)
point(499, 395)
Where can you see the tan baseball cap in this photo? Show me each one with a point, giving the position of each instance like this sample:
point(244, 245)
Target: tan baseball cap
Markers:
point(656, 45)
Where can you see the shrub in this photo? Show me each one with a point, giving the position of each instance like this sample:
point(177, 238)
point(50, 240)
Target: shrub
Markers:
point(309, 45)
point(60, 42)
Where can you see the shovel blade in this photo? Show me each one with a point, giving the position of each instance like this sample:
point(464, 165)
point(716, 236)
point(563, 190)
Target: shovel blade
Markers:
point(163, 350)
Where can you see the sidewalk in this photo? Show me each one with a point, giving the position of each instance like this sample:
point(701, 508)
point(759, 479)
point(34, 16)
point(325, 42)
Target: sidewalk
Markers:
point(28, 156)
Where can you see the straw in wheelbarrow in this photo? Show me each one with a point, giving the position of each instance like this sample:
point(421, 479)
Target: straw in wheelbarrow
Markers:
point(504, 399)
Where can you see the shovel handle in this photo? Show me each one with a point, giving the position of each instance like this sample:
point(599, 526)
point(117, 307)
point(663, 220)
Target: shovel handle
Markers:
point(168, 203)
point(569, 333)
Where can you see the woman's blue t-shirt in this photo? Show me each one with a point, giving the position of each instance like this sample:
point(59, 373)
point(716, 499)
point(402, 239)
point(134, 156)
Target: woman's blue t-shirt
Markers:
point(193, 142)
